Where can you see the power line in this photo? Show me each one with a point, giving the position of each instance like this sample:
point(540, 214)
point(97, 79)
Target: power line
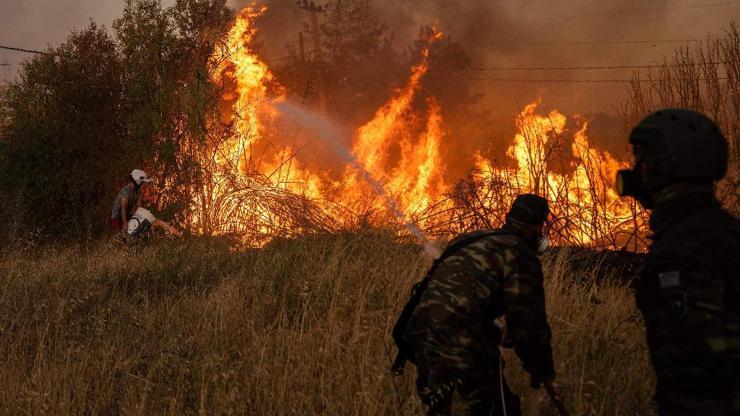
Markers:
point(637, 11)
point(596, 42)
point(569, 81)
point(572, 68)
point(11, 48)
point(282, 58)
point(556, 81)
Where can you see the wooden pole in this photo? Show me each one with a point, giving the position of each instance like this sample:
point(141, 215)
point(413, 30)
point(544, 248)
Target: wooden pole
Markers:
point(313, 11)
point(302, 49)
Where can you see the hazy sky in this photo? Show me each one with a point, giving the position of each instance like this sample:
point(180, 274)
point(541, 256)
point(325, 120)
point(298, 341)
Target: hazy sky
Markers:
point(495, 33)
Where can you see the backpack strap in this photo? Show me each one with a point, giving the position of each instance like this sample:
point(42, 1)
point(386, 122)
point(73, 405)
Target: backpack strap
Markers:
point(458, 245)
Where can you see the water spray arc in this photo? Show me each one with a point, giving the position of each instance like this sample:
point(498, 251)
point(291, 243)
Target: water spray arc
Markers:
point(331, 134)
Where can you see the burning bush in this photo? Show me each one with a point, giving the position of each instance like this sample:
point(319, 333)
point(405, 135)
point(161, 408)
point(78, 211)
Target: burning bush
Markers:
point(195, 104)
point(403, 147)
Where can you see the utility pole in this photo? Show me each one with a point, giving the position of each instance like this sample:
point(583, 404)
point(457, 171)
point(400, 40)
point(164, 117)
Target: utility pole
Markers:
point(5, 65)
point(303, 53)
point(314, 10)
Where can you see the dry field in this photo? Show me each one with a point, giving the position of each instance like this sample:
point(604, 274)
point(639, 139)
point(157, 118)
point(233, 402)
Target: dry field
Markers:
point(298, 328)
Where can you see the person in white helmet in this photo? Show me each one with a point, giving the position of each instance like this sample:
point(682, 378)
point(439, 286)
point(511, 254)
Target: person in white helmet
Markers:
point(128, 200)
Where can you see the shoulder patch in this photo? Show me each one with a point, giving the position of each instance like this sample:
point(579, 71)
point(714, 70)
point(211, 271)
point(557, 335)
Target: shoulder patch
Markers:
point(669, 279)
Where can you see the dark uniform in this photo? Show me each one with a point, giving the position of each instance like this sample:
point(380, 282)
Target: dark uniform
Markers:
point(689, 290)
point(689, 294)
point(452, 331)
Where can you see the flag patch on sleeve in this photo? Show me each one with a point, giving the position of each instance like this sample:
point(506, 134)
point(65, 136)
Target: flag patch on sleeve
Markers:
point(669, 279)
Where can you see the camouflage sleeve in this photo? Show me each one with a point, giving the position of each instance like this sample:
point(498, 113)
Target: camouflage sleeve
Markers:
point(526, 320)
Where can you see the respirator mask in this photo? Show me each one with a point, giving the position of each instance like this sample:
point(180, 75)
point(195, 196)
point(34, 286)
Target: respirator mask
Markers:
point(629, 183)
point(632, 182)
point(543, 243)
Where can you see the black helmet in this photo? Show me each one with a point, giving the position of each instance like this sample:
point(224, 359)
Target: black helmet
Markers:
point(673, 145)
point(529, 209)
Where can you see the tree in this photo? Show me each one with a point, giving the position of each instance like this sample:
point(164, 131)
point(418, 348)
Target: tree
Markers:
point(466, 121)
point(83, 115)
point(165, 57)
point(359, 63)
point(704, 78)
point(64, 137)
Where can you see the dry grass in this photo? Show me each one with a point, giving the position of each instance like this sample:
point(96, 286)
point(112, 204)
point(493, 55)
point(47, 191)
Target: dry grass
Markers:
point(300, 327)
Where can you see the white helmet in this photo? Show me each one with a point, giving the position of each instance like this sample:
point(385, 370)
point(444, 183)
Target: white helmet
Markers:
point(139, 176)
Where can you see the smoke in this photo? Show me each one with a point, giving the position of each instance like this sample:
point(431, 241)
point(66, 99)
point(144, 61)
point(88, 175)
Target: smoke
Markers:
point(332, 135)
point(493, 33)
point(37, 24)
point(535, 33)
point(538, 34)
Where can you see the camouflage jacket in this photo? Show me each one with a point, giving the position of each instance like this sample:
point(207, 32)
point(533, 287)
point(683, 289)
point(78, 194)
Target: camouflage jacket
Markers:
point(493, 276)
point(689, 290)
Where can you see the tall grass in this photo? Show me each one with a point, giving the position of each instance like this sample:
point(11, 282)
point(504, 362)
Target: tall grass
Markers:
point(298, 328)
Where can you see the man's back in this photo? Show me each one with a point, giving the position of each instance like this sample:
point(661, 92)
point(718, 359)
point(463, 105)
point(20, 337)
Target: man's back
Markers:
point(486, 279)
point(696, 253)
point(448, 328)
point(689, 297)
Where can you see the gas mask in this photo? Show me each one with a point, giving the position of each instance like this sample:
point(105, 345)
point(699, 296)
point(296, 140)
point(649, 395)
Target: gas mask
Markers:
point(631, 182)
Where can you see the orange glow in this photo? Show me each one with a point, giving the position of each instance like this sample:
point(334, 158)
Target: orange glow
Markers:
point(249, 193)
point(416, 178)
point(583, 200)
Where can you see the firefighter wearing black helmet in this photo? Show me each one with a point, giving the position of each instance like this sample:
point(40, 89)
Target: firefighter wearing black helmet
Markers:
point(689, 290)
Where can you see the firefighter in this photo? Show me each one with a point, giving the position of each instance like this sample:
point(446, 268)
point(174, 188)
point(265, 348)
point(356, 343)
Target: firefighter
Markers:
point(451, 333)
point(689, 289)
point(128, 200)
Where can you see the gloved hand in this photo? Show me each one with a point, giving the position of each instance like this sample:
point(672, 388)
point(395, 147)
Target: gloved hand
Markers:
point(540, 377)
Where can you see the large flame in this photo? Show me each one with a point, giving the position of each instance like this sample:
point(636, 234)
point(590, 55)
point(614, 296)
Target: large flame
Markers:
point(417, 174)
point(400, 147)
point(584, 203)
point(247, 180)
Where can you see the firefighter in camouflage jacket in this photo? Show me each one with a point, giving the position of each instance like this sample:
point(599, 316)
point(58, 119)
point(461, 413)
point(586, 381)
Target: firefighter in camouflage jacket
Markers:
point(455, 331)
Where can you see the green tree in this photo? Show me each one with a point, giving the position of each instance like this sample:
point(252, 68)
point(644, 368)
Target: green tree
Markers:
point(165, 58)
point(82, 115)
point(63, 137)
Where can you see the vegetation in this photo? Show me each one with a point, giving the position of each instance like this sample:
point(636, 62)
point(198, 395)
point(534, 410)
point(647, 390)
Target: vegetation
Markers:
point(703, 77)
point(63, 143)
point(83, 114)
point(300, 327)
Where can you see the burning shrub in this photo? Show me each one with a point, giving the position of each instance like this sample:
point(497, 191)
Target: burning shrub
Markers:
point(401, 148)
